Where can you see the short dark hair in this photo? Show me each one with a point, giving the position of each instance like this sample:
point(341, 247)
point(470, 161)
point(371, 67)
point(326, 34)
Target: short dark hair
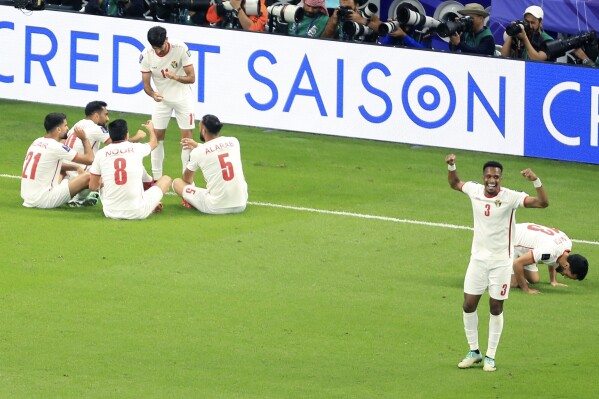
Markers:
point(493, 164)
point(579, 265)
point(94, 106)
point(117, 129)
point(53, 119)
point(211, 123)
point(157, 36)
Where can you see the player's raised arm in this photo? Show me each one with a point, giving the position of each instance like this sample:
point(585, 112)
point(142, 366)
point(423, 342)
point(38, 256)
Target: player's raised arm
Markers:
point(541, 200)
point(452, 175)
point(153, 140)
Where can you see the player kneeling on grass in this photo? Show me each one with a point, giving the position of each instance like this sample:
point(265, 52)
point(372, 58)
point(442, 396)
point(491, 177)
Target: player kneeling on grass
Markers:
point(117, 172)
point(219, 159)
point(535, 244)
point(41, 184)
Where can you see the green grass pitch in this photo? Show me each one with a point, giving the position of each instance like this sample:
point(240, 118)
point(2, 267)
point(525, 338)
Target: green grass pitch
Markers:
point(283, 302)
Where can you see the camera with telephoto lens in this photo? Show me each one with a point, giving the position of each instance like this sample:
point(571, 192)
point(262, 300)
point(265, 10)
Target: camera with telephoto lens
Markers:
point(286, 13)
point(355, 30)
point(170, 10)
point(448, 28)
point(408, 17)
point(516, 27)
point(558, 48)
point(344, 12)
point(370, 10)
point(251, 7)
point(389, 26)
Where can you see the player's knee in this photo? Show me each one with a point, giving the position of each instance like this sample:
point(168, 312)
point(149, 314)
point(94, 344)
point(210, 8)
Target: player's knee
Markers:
point(178, 185)
point(496, 307)
point(165, 183)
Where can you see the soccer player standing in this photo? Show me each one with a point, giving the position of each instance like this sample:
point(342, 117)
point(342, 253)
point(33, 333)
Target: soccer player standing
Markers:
point(118, 169)
point(41, 184)
point(168, 64)
point(492, 255)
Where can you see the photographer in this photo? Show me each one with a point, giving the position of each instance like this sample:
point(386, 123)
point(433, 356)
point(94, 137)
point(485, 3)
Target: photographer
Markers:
point(530, 41)
point(478, 39)
point(314, 22)
point(116, 8)
point(233, 15)
point(406, 35)
point(348, 11)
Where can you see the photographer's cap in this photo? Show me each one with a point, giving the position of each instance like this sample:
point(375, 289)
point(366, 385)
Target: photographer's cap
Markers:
point(535, 11)
point(474, 9)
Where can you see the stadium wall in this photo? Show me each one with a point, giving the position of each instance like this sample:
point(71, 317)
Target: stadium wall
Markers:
point(318, 86)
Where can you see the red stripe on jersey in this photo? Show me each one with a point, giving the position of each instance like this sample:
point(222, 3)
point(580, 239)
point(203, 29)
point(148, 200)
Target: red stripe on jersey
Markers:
point(527, 197)
point(57, 169)
point(509, 242)
point(70, 141)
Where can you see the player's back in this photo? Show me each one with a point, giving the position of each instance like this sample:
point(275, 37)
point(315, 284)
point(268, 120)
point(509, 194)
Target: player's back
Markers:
point(542, 240)
point(121, 167)
point(220, 162)
point(41, 167)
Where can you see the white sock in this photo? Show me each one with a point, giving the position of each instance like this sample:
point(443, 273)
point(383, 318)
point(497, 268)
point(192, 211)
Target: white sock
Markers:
point(157, 157)
point(495, 328)
point(471, 329)
point(145, 177)
point(185, 158)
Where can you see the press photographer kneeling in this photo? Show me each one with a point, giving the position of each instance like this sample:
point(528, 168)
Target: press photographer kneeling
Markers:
point(348, 23)
point(238, 14)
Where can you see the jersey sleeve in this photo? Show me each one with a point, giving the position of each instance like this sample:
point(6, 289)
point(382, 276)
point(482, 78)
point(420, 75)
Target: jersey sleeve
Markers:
point(469, 187)
point(194, 159)
point(186, 56)
point(145, 148)
point(544, 254)
point(144, 63)
point(97, 133)
point(64, 152)
point(94, 169)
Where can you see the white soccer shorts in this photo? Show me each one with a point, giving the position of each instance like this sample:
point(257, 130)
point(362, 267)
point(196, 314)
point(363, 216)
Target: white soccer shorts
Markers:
point(492, 275)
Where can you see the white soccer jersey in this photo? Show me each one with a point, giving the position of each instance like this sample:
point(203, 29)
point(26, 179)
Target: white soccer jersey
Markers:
point(220, 163)
point(121, 167)
point(494, 221)
point(546, 243)
point(95, 135)
point(177, 57)
point(41, 168)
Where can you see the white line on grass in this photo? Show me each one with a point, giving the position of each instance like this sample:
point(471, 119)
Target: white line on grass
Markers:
point(356, 215)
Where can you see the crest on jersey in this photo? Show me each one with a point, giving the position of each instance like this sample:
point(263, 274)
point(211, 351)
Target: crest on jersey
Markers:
point(497, 203)
point(141, 57)
point(189, 53)
point(66, 148)
point(174, 64)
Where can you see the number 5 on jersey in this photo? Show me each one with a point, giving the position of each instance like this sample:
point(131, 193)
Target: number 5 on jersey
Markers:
point(226, 167)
